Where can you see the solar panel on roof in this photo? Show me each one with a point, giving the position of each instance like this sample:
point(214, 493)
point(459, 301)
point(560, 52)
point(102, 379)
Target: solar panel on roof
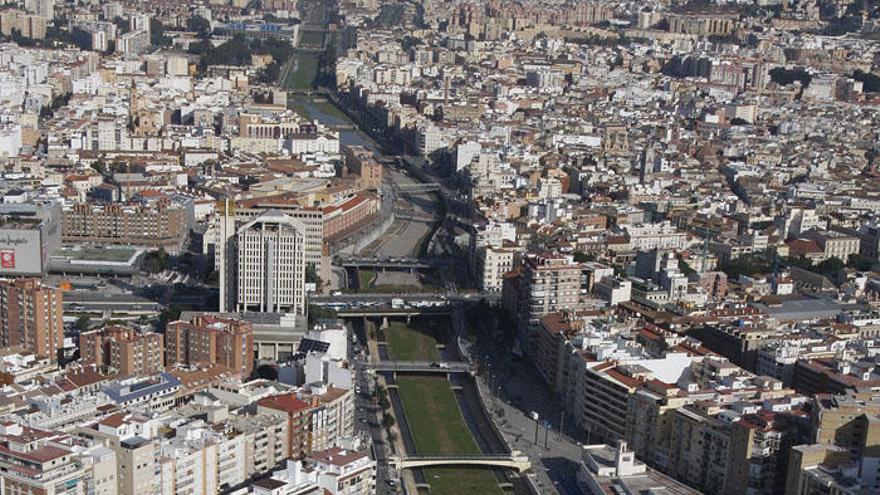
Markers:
point(310, 345)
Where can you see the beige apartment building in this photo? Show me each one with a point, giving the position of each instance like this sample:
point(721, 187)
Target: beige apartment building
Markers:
point(161, 226)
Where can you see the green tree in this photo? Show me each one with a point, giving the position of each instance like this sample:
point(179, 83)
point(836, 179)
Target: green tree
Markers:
point(830, 266)
point(157, 34)
point(388, 421)
point(685, 267)
point(169, 314)
point(312, 276)
point(200, 26)
point(266, 372)
point(799, 262)
point(582, 257)
point(156, 261)
point(99, 166)
point(870, 81)
point(860, 263)
point(122, 25)
point(784, 77)
point(319, 313)
point(749, 264)
point(83, 323)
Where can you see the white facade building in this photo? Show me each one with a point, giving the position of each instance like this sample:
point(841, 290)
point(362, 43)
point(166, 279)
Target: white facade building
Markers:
point(271, 264)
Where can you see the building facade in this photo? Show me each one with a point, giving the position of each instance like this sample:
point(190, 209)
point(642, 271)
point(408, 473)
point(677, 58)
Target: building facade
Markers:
point(209, 340)
point(31, 315)
point(126, 350)
point(271, 265)
point(163, 226)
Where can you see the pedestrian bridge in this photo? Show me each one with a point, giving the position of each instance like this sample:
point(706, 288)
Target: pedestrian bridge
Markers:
point(514, 460)
point(420, 367)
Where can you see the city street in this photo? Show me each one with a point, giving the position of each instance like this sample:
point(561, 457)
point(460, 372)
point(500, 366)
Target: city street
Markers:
point(368, 415)
point(410, 226)
point(513, 391)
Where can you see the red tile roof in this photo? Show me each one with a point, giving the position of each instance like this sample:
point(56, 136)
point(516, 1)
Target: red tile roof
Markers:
point(288, 403)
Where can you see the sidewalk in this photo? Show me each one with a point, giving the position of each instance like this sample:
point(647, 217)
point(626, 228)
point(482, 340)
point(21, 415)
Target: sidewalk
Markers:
point(554, 466)
point(407, 479)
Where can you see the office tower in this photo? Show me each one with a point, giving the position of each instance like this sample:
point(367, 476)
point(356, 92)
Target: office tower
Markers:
point(225, 255)
point(271, 265)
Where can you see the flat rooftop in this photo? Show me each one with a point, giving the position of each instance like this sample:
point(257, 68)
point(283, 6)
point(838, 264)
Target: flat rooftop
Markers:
point(117, 254)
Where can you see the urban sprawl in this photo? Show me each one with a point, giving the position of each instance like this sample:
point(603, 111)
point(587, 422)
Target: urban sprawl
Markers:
point(439, 247)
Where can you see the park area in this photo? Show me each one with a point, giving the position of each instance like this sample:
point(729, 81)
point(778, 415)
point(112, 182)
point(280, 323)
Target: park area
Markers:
point(312, 39)
point(411, 343)
point(301, 71)
point(432, 412)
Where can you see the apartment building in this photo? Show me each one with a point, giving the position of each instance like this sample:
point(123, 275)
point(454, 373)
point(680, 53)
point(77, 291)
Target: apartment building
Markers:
point(360, 160)
point(699, 449)
point(845, 421)
point(201, 460)
point(126, 350)
point(648, 426)
point(605, 470)
point(299, 420)
point(30, 26)
point(31, 317)
point(29, 236)
point(760, 446)
point(132, 440)
point(32, 462)
point(163, 225)
point(869, 240)
point(347, 215)
point(823, 376)
point(817, 468)
point(596, 394)
point(550, 340)
point(547, 284)
point(333, 416)
point(265, 437)
point(491, 265)
point(151, 393)
point(334, 471)
point(835, 243)
point(661, 236)
point(208, 340)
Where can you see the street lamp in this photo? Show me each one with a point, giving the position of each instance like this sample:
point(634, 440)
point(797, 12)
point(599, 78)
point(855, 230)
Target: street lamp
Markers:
point(536, 417)
point(546, 433)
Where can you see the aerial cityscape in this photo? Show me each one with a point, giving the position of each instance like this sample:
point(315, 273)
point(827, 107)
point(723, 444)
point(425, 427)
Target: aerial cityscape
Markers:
point(440, 247)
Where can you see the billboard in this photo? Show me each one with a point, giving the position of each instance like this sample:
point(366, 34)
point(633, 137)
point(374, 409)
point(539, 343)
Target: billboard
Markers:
point(20, 252)
point(7, 258)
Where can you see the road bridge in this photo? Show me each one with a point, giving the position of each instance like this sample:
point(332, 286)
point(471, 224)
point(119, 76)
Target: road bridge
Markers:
point(421, 367)
point(392, 264)
point(422, 187)
point(514, 460)
point(392, 312)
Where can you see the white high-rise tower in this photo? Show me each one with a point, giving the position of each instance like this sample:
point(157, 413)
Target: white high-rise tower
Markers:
point(271, 264)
